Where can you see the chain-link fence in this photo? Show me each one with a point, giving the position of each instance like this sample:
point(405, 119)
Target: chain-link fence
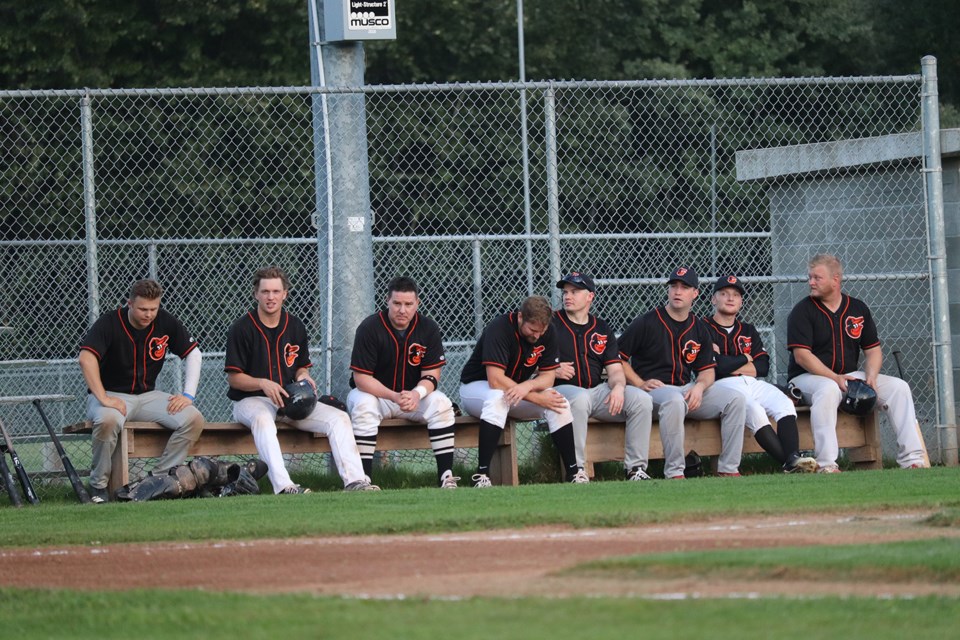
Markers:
point(198, 188)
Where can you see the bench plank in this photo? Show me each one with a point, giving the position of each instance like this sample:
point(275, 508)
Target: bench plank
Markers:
point(148, 439)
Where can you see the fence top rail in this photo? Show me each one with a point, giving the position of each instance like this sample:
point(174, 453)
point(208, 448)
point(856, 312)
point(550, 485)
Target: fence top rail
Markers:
point(472, 86)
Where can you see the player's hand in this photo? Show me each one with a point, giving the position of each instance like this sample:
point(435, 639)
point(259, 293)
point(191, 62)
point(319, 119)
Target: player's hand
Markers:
point(565, 372)
point(552, 399)
point(872, 382)
point(274, 391)
point(115, 403)
point(650, 385)
point(842, 382)
point(408, 401)
point(178, 403)
point(615, 400)
point(694, 397)
point(716, 348)
point(514, 395)
point(309, 381)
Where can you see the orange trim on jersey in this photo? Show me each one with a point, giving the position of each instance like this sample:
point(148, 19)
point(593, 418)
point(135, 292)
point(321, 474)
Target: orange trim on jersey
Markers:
point(359, 370)
point(93, 351)
point(833, 330)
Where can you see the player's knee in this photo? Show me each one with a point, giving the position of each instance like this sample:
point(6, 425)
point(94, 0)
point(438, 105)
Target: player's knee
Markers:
point(829, 395)
point(107, 428)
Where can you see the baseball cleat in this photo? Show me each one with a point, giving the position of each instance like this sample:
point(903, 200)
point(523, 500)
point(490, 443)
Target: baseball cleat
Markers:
point(800, 464)
point(637, 474)
point(98, 495)
point(361, 485)
point(448, 480)
point(830, 468)
point(917, 465)
point(580, 477)
point(481, 481)
point(724, 474)
point(295, 489)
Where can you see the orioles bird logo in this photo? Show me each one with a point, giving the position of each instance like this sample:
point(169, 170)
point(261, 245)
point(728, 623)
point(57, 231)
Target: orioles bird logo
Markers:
point(416, 354)
point(853, 326)
point(690, 351)
point(745, 344)
point(290, 353)
point(158, 347)
point(682, 271)
point(598, 343)
point(534, 357)
point(731, 279)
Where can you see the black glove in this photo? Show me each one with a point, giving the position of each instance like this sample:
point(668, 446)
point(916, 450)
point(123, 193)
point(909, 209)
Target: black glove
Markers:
point(333, 401)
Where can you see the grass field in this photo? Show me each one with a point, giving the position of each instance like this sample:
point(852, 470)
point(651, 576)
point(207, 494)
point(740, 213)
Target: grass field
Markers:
point(164, 613)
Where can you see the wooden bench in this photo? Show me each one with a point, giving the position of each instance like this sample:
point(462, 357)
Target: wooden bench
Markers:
point(148, 439)
point(860, 436)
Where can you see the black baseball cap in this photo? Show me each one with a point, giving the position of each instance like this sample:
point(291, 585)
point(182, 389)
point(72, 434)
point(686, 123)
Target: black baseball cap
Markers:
point(729, 281)
point(686, 275)
point(577, 279)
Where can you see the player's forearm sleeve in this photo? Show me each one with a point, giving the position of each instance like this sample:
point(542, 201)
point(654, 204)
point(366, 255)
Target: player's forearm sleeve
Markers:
point(191, 375)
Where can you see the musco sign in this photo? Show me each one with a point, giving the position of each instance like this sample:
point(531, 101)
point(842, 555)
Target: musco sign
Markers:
point(360, 20)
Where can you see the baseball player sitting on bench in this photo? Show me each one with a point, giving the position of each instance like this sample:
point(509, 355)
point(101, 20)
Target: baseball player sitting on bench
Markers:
point(825, 333)
point(665, 347)
point(267, 349)
point(396, 362)
point(498, 382)
point(587, 347)
point(741, 361)
point(120, 358)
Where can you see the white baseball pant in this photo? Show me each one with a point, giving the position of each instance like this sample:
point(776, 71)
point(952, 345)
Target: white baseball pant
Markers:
point(893, 398)
point(637, 413)
point(763, 400)
point(367, 411)
point(259, 414)
point(480, 401)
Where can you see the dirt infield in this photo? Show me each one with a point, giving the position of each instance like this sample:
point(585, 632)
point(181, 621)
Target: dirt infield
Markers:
point(490, 563)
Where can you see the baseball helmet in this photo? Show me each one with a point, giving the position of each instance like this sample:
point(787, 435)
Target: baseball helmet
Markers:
point(301, 401)
point(859, 399)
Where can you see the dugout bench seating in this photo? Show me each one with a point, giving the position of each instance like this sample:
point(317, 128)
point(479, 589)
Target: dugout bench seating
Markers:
point(860, 436)
point(148, 439)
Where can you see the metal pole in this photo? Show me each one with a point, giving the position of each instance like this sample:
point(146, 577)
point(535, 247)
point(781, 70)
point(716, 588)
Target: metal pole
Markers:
point(152, 261)
point(553, 188)
point(477, 289)
point(323, 181)
point(527, 224)
point(89, 210)
point(933, 178)
point(713, 199)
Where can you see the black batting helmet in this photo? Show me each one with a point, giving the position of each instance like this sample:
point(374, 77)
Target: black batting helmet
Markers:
point(860, 398)
point(301, 401)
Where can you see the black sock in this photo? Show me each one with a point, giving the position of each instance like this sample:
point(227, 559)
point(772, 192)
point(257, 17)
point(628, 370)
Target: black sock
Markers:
point(563, 440)
point(768, 439)
point(488, 437)
point(444, 464)
point(787, 432)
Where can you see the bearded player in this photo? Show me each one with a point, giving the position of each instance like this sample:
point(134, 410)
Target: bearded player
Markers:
point(741, 362)
point(120, 358)
point(671, 356)
point(588, 348)
point(396, 362)
point(510, 374)
point(826, 332)
point(267, 349)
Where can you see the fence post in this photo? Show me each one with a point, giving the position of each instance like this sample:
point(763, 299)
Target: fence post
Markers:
point(933, 179)
point(553, 188)
point(477, 288)
point(89, 209)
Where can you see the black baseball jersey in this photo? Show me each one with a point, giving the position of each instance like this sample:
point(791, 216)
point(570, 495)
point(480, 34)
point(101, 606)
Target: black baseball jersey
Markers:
point(263, 352)
point(736, 342)
point(131, 359)
point(660, 348)
point(501, 345)
point(835, 338)
point(590, 347)
point(396, 360)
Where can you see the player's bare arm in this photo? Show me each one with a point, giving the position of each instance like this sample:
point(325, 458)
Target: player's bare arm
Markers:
point(246, 382)
point(548, 399)
point(872, 361)
point(90, 368)
point(617, 381)
point(812, 364)
point(634, 379)
point(564, 372)
point(368, 384)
